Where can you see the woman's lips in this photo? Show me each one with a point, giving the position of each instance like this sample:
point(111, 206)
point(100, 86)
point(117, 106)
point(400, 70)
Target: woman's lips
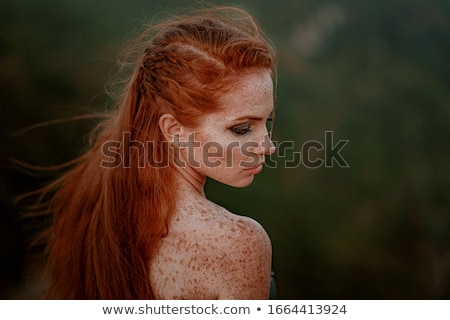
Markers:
point(256, 169)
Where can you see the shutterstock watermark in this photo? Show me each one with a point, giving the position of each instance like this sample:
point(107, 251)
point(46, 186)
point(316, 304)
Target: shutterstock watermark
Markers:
point(311, 154)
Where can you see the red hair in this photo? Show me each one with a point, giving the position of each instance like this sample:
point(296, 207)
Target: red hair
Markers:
point(107, 222)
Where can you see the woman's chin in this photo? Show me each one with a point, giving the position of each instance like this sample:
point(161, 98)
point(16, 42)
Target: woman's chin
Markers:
point(238, 183)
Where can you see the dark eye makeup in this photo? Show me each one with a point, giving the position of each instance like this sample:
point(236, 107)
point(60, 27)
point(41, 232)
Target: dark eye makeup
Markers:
point(241, 129)
point(245, 128)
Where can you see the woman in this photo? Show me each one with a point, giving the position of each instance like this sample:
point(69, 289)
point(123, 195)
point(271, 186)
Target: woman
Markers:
point(130, 219)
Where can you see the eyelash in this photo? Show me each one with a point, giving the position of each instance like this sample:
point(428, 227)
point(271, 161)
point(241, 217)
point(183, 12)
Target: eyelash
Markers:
point(241, 129)
point(245, 128)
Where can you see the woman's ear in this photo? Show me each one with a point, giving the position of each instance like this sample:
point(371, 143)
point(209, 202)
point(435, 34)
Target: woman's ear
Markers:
point(169, 126)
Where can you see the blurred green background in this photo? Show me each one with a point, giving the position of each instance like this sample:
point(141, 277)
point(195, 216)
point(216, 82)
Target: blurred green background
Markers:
point(376, 73)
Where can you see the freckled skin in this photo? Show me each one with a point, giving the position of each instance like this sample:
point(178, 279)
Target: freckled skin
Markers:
point(202, 258)
point(209, 252)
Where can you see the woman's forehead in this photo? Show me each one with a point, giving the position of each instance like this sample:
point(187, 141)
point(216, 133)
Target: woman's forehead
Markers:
point(252, 95)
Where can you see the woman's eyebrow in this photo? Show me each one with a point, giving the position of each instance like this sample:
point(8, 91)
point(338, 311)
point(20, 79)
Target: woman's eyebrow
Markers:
point(249, 118)
point(254, 118)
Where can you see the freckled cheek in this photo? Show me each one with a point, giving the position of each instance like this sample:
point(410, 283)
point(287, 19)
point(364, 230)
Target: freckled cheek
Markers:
point(224, 151)
point(214, 148)
point(210, 151)
point(238, 157)
point(214, 155)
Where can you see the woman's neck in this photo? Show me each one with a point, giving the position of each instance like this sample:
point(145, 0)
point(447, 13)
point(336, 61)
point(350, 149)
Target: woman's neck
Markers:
point(189, 181)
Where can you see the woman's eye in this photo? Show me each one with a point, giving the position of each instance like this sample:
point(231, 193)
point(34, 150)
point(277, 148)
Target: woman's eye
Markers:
point(241, 129)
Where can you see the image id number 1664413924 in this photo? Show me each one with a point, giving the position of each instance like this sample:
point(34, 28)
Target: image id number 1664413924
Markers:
point(307, 309)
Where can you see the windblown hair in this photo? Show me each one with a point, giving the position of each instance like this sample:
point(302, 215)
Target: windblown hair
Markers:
point(107, 222)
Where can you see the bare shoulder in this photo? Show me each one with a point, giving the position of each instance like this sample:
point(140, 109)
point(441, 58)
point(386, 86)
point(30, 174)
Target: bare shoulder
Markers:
point(246, 269)
point(245, 233)
point(214, 254)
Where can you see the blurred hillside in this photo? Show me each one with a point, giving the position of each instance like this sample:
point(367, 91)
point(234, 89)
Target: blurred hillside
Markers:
point(375, 73)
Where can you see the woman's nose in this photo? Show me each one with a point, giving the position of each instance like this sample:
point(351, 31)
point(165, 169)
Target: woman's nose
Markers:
point(266, 146)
